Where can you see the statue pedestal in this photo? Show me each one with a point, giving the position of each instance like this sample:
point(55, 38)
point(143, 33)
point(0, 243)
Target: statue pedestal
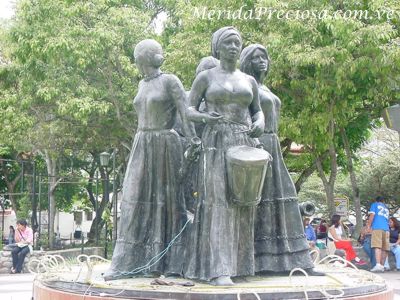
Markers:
point(342, 283)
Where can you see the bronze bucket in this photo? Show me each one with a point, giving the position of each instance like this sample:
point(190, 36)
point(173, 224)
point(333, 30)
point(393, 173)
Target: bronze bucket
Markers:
point(246, 168)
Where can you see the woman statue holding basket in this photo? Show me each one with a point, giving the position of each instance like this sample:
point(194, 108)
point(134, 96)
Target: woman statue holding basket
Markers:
point(221, 244)
point(280, 242)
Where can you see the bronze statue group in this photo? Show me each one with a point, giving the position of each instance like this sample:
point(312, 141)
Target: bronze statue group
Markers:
point(226, 240)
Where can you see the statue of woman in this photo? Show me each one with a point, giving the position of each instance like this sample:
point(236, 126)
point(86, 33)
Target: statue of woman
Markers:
point(280, 243)
point(222, 242)
point(153, 208)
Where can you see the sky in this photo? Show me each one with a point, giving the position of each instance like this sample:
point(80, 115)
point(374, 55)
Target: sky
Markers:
point(6, 9)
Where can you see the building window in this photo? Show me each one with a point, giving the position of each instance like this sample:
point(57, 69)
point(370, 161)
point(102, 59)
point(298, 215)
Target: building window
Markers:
point(78, 217)
point(89, 215)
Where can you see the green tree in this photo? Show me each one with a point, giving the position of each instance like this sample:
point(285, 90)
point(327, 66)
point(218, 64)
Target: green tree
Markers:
point(333, 75)
point(380, 175)
point(11, 173)
point(70, 77)
point(67, 80)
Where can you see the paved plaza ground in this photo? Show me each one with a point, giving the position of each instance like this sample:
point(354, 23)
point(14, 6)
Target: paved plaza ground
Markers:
point(393, 278)
point(19, 286)
point(16, 286)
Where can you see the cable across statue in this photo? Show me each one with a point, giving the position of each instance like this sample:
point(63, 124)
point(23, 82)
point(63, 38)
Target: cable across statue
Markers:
point(245, 222)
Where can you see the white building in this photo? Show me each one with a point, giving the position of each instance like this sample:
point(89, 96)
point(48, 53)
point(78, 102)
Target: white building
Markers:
point(65, 223)
point(7, 219)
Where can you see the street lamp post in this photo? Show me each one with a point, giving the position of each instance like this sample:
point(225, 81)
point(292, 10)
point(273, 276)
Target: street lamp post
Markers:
point(115, 203)
point(2, 220)
point(104, 160)
point(96, 208)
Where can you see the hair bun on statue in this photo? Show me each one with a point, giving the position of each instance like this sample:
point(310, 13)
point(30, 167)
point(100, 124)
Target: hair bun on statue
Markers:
point(158, 60)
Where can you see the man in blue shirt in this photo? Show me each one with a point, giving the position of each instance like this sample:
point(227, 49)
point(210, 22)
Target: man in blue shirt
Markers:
point(310, 232)
point(378, 221)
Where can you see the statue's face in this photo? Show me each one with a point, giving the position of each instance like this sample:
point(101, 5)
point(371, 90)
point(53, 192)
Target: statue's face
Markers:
point(230, 47)
point(259, 61)
point(139, 64)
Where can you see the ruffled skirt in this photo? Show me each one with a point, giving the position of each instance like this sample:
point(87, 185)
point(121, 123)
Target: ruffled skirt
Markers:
point(280, 242)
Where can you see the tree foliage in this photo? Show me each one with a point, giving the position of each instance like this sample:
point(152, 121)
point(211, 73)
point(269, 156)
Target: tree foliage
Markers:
point(332, 74)
point(67, 80)
point(380, 175)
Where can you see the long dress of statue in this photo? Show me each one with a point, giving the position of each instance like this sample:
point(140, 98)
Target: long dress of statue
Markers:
point(280, 243)
point(152, 209)
point(221, 244)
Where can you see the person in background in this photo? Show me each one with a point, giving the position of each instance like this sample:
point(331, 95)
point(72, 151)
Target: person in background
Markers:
point(310, 233)
point(365, 241)
point(35, 235)
point(378, 221)
point(24, 238)
point(11, 235)
point(322, 230)
point(335, 233)
point(351, 228)
point(394, 240)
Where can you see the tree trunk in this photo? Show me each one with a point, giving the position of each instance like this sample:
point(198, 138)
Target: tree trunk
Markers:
point(354, 186)
point(329, 187)
point(11, 191)
point(97, 221)
point(329, 184)
point(11, 184)
point(308, 172)
point(89, 188)
point(51, 163)
point(34, 218)
point(303, 177)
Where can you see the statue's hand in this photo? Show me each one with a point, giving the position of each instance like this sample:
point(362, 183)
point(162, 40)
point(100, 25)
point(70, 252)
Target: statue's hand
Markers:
point(211, 118)
point(257, 128)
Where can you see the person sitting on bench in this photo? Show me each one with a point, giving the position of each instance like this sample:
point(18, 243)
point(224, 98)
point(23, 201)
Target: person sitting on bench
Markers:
point(335, 233)
point(24, 240)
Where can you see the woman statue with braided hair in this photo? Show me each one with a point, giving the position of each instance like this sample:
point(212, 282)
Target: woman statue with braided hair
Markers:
point(280, 243)
point(221, 244)
point(153, 208)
